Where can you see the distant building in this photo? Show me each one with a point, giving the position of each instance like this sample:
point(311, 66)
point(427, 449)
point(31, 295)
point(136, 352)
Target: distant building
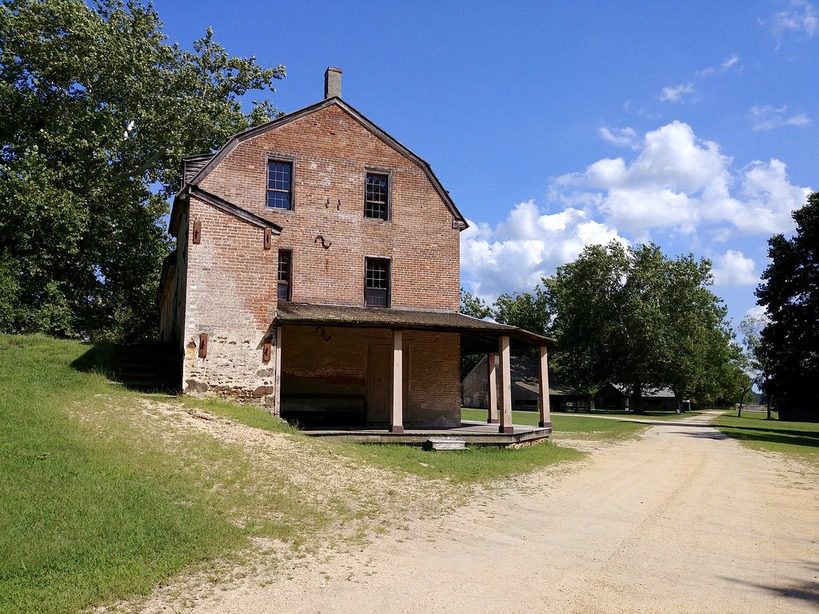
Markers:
point(475, 391)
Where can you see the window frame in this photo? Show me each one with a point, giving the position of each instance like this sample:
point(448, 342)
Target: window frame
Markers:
point(388, 289)
point(369, 170)
point(284, 282)
point(281, 159)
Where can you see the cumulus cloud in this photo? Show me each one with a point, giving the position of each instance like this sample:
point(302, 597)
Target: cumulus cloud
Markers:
point(768, 117)
point(798, 16)
point(680, 182)
point(757, 312)
point(676, 93)
point(733, 268)
point(526, 246)
point(673, 185)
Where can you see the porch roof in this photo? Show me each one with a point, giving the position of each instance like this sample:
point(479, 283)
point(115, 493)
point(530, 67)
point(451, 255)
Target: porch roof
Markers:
point(477, 335)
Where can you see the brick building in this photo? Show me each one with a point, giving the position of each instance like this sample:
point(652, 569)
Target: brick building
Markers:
point(317, 272)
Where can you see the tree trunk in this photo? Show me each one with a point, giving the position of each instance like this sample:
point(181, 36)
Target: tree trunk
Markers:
point(741, 401)
point(637, 398)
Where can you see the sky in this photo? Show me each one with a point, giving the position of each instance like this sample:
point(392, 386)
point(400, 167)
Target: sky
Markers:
point(556, 125)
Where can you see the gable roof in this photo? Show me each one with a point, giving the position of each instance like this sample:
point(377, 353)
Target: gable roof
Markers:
point(236, 139)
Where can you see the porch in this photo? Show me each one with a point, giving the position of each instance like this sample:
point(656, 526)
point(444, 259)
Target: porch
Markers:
point(471, 432)
point(392, 375)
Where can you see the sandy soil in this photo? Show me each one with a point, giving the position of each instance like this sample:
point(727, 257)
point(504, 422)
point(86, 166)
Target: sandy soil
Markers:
point(681, 520)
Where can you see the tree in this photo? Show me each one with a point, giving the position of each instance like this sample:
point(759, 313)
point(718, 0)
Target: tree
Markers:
point(635, 318)
point(789, 346)
point(527, 310)
point(475, 306)
point(96, 111)
point(751, 329)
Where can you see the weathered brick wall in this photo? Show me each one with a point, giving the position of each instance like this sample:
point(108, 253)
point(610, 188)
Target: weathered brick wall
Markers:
point(335, 361)
point(331, 153)
point(230, 294)
point(433, 398)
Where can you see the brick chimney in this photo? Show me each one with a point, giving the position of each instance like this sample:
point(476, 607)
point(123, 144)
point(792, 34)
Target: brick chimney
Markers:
point(332, 82)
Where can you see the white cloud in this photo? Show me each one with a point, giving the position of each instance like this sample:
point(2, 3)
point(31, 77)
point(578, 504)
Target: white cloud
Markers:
point(526, 246)
point(757, 312)
point(798, 16)
point(675, 185)
point(679, 182)
point(734, 269)
point(676, 93)
point(622, 137)
point(732, 62)
point(767, 117)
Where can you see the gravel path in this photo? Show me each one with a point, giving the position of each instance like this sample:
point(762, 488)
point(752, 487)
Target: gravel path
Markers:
point(681, 520)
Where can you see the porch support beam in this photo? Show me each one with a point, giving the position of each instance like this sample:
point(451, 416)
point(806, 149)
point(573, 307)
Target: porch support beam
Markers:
point(506, 386)
point(397, 410)
point(543, 389)
point(277, 373)
point(491, 362)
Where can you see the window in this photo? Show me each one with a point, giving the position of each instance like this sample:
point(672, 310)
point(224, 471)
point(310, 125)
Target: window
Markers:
point(377, 282)
point(279, 184)
point(285, 274)
point(376, 196)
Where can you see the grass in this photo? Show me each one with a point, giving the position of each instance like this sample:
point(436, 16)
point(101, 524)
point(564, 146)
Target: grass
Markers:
point(106, 492)
point(467, 466)
point(580, 427)
point(97, 502)
point(458, 467)
point(649, 415)
point(798, 440)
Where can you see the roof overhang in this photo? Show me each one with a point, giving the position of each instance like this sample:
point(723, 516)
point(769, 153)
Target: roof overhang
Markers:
point(477, 336)
point(219, 203)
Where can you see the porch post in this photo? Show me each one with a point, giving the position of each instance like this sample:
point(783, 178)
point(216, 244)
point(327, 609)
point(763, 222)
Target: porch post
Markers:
point(543, 389)
point(397, 411)
point(491, 362)
point(277, 373)
point(506, 387)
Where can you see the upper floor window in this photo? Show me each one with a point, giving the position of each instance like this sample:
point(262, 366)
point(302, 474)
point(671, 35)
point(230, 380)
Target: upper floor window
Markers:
point(285, 274)
point(376, 196)
point(377, 282)
point(279, 184)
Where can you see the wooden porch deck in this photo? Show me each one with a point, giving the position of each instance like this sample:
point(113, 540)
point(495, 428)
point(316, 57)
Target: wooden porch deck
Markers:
point(472, 432)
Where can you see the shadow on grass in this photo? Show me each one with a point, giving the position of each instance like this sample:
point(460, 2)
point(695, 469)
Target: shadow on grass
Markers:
point(148, 367)
point(773, 437)
point(766, 437)
point(803, 434)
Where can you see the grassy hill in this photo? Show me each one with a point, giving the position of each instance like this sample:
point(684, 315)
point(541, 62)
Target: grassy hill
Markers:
point(106, 492)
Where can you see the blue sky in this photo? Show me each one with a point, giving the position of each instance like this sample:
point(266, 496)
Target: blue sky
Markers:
point(556, 125)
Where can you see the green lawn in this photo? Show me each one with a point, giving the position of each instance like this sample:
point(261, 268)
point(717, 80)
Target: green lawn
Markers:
point(467, 466)
point(578, 426)
point(96, 506)
point(650, 415)
point(799, 440)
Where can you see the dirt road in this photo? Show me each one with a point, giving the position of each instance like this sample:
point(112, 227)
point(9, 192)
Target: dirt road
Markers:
point(682, 520)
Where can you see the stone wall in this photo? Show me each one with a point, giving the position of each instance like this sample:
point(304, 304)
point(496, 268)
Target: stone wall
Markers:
point(230, 295)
